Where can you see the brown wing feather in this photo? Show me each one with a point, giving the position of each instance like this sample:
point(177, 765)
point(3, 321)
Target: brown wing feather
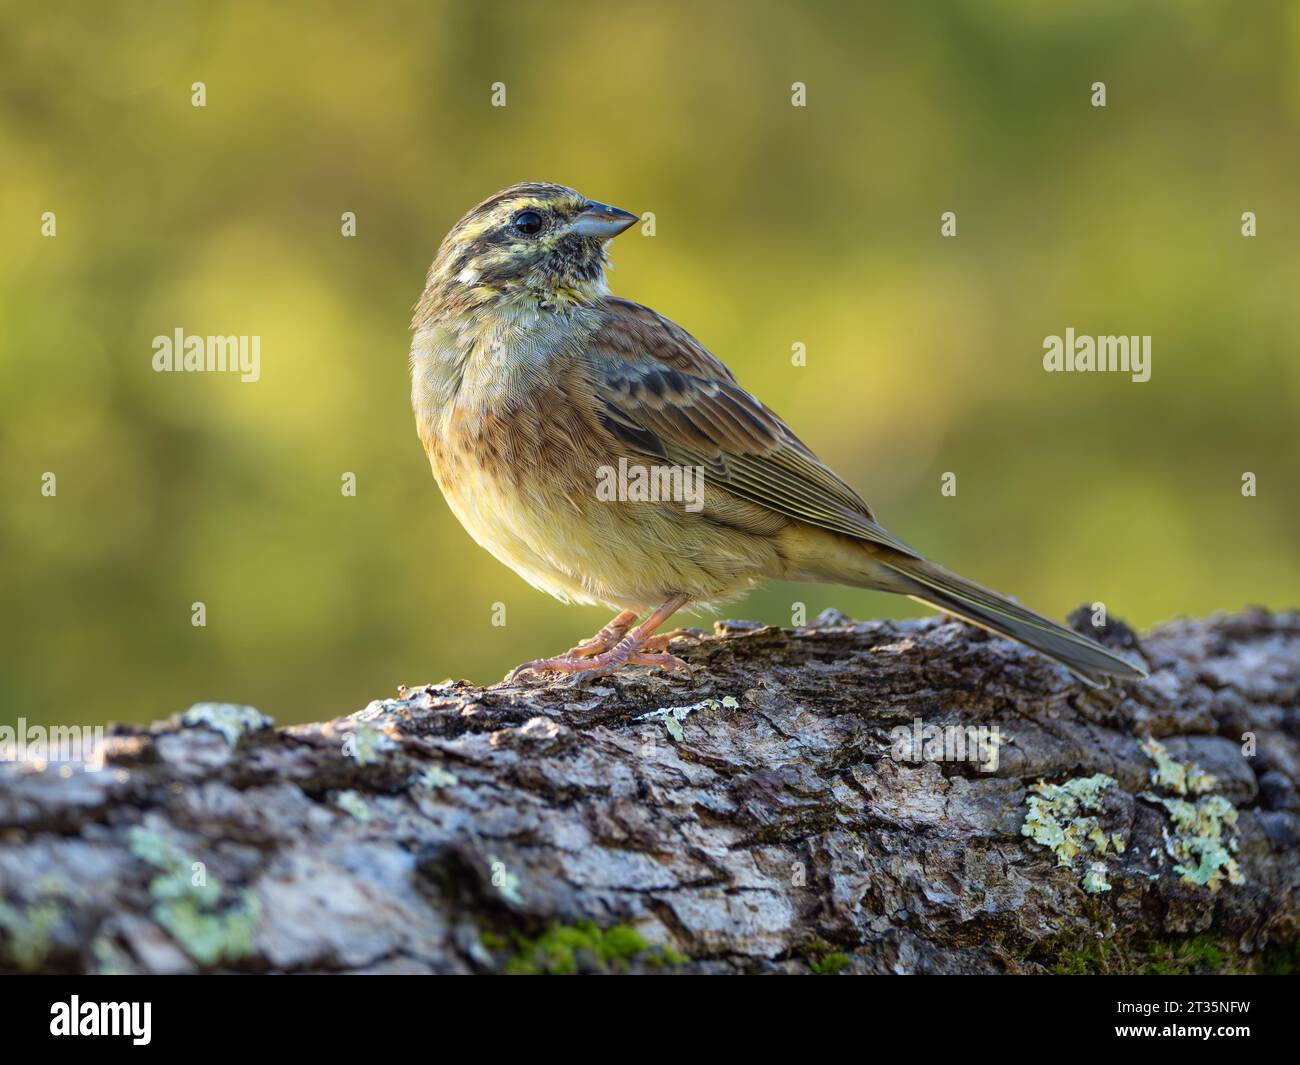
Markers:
point(661, 393)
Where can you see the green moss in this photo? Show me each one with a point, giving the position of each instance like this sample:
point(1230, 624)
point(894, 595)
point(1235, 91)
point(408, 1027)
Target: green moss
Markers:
point(1280, 959)
point(1200, 955)
point(1082, 954)
point(1079, 955)
point(194, 908)
point(581, 947)
point(1203, 954)
point(623, 941)
point(830, 964)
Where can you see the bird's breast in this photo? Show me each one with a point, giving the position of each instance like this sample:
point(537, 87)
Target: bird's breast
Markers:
point(505, 418)
point(511, 426)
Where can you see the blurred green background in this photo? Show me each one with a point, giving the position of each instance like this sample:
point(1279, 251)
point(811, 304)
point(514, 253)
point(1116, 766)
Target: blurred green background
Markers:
point(776, 225)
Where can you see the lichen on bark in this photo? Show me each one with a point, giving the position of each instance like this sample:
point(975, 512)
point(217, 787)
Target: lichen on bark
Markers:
point(749, 815)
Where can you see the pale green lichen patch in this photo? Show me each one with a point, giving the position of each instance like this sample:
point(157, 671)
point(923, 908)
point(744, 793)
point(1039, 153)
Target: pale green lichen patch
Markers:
point(1094, 881)
point(1203, 841)
point(193, 907)
point(1204, 837)
point(352, 803)
point(435, 777)
point(673, 716)
point(366, 744)
point(27, 932)
point(230, 720)
point(156, 849)
point(110, 959)
point(1169, 774)
point(378, 707)
point(1062, 818)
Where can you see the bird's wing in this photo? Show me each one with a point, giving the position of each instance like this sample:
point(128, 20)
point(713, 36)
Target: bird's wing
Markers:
point(659, 391)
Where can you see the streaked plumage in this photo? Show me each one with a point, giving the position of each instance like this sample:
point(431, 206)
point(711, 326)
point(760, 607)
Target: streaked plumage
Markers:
point(528, 377)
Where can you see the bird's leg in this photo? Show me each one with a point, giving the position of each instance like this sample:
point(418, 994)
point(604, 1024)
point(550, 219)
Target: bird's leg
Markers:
point(628, 651)
point(661, 642)
point(605, 639)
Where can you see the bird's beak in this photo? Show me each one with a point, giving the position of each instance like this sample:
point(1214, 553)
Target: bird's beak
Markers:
point(601, 220)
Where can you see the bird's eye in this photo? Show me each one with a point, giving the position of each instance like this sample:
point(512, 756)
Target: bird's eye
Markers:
point(528, 223)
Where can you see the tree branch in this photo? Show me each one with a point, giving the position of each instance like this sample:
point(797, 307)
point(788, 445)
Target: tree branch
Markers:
point(788, 806)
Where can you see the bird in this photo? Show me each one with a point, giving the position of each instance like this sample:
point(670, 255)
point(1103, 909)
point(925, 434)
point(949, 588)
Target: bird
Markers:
point(531, 381)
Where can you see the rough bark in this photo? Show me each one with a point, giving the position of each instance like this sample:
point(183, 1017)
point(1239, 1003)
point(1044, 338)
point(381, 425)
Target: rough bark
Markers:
point(457, 829)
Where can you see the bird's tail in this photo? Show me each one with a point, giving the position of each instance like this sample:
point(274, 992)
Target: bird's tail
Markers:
point(938, 588)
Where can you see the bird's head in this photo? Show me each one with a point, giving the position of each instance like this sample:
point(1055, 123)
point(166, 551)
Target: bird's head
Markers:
point(531, 241)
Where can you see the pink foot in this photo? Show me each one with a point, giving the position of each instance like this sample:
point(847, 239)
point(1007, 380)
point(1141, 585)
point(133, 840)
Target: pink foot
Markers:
point(638, 648)
point(605, 639)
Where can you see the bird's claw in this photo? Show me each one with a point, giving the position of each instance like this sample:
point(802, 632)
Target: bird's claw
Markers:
point(538, 665)
point(614, 647)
